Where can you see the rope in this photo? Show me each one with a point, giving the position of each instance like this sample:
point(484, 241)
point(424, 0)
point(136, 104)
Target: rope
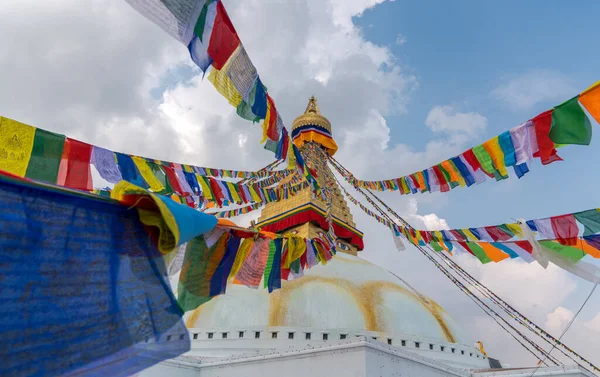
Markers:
point(571, 322)
point(476, 284)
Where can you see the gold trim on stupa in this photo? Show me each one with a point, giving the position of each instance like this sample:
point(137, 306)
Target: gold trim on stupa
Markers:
point(312, 116)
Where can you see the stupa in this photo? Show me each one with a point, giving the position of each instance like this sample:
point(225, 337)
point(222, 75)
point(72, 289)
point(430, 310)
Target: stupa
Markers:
point(346, 318)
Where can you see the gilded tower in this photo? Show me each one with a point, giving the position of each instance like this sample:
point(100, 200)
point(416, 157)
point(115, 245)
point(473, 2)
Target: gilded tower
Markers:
point(305, 213)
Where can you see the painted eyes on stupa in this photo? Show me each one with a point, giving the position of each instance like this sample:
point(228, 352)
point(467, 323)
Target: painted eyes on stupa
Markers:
point(342, 246)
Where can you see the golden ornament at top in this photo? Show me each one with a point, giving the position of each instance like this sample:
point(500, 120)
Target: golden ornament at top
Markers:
point(312, 116)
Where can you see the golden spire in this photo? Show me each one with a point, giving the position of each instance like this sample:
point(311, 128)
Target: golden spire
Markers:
point(312, 116)
point(312, 106)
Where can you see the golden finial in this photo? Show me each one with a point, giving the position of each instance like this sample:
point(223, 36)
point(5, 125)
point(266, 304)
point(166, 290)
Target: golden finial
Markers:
point(312, 115)
point(312, 106)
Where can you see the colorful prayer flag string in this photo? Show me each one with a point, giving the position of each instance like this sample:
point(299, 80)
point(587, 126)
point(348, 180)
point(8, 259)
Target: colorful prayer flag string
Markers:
point(565, 124)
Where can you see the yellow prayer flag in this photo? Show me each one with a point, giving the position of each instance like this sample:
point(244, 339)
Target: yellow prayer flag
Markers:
point(148, 174)
point(265, 124)
point(590, 99)
point(206, 191)
point(16, 144)
point(492, 146)
point(470, 235)
point(234, 194)
point(241, 255)
point(516, 229)
point(224, 85)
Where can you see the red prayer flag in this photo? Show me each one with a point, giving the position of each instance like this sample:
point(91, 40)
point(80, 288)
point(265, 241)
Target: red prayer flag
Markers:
point(457, 235)
point(474, 162)
point(525, 245)
point(272, 132)
point(78, 173)
point(217, 193)
point(497, 234)
point(224, 39)
point(441, 179)
point(286, 145)
point(542, 124)
point(173, 181)
point(566, 229)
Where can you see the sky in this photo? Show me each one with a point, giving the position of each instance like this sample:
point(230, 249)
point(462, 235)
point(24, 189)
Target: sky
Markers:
point(405, 84)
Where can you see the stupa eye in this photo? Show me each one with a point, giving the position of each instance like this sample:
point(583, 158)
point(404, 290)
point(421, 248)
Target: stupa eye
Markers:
point(342, 246)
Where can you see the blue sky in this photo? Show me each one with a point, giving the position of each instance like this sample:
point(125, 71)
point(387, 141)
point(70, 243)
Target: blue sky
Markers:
point(461, 51)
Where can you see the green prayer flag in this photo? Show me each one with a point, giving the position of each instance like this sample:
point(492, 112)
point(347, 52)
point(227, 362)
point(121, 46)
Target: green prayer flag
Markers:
point(485, 160)
point(479, 252)
point(245, 111)
point(269, 265)
point(193, 288)
point(506, 230)
point(45, 156)
point(590, 220)
point(161, 176)
point(295, 266)
point(271, 145)
point(435, 246)
point(570, 124)
point(571, 253)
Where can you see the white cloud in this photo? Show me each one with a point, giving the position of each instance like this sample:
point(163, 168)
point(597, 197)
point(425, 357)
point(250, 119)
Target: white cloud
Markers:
point(525, 91)
point(558, 319)
point(459, 126)
point(400, 39)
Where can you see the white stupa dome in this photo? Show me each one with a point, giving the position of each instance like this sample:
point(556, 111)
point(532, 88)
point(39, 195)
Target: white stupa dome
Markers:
point(348, 294)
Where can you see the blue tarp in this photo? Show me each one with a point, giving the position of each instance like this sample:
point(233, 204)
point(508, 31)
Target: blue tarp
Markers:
point(82, 288)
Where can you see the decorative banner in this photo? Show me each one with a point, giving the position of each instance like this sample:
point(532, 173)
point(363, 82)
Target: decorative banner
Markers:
point(54, 159)
point(205, 28)
point(498, 242)
point(566, 124)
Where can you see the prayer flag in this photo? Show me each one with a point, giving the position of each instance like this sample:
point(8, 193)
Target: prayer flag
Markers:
point(570, 124)
point(547, 152)
point(199, 265)
point(198, 46)
point(544, 226)
point(590, 220)
point(105, 163)
point(274, 277)
point(16, 143)
point(218, 282)
point(484, 159)
point(590, 99)
point(524, 142)
point(508, 149)
point(129, 171)
point(573, 254)
point(224, 39)
point(492, 252)
point(78, 173)
point(565, 228)
point(45, 156)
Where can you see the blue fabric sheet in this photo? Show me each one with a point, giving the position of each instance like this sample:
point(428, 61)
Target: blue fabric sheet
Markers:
point(82, 288)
